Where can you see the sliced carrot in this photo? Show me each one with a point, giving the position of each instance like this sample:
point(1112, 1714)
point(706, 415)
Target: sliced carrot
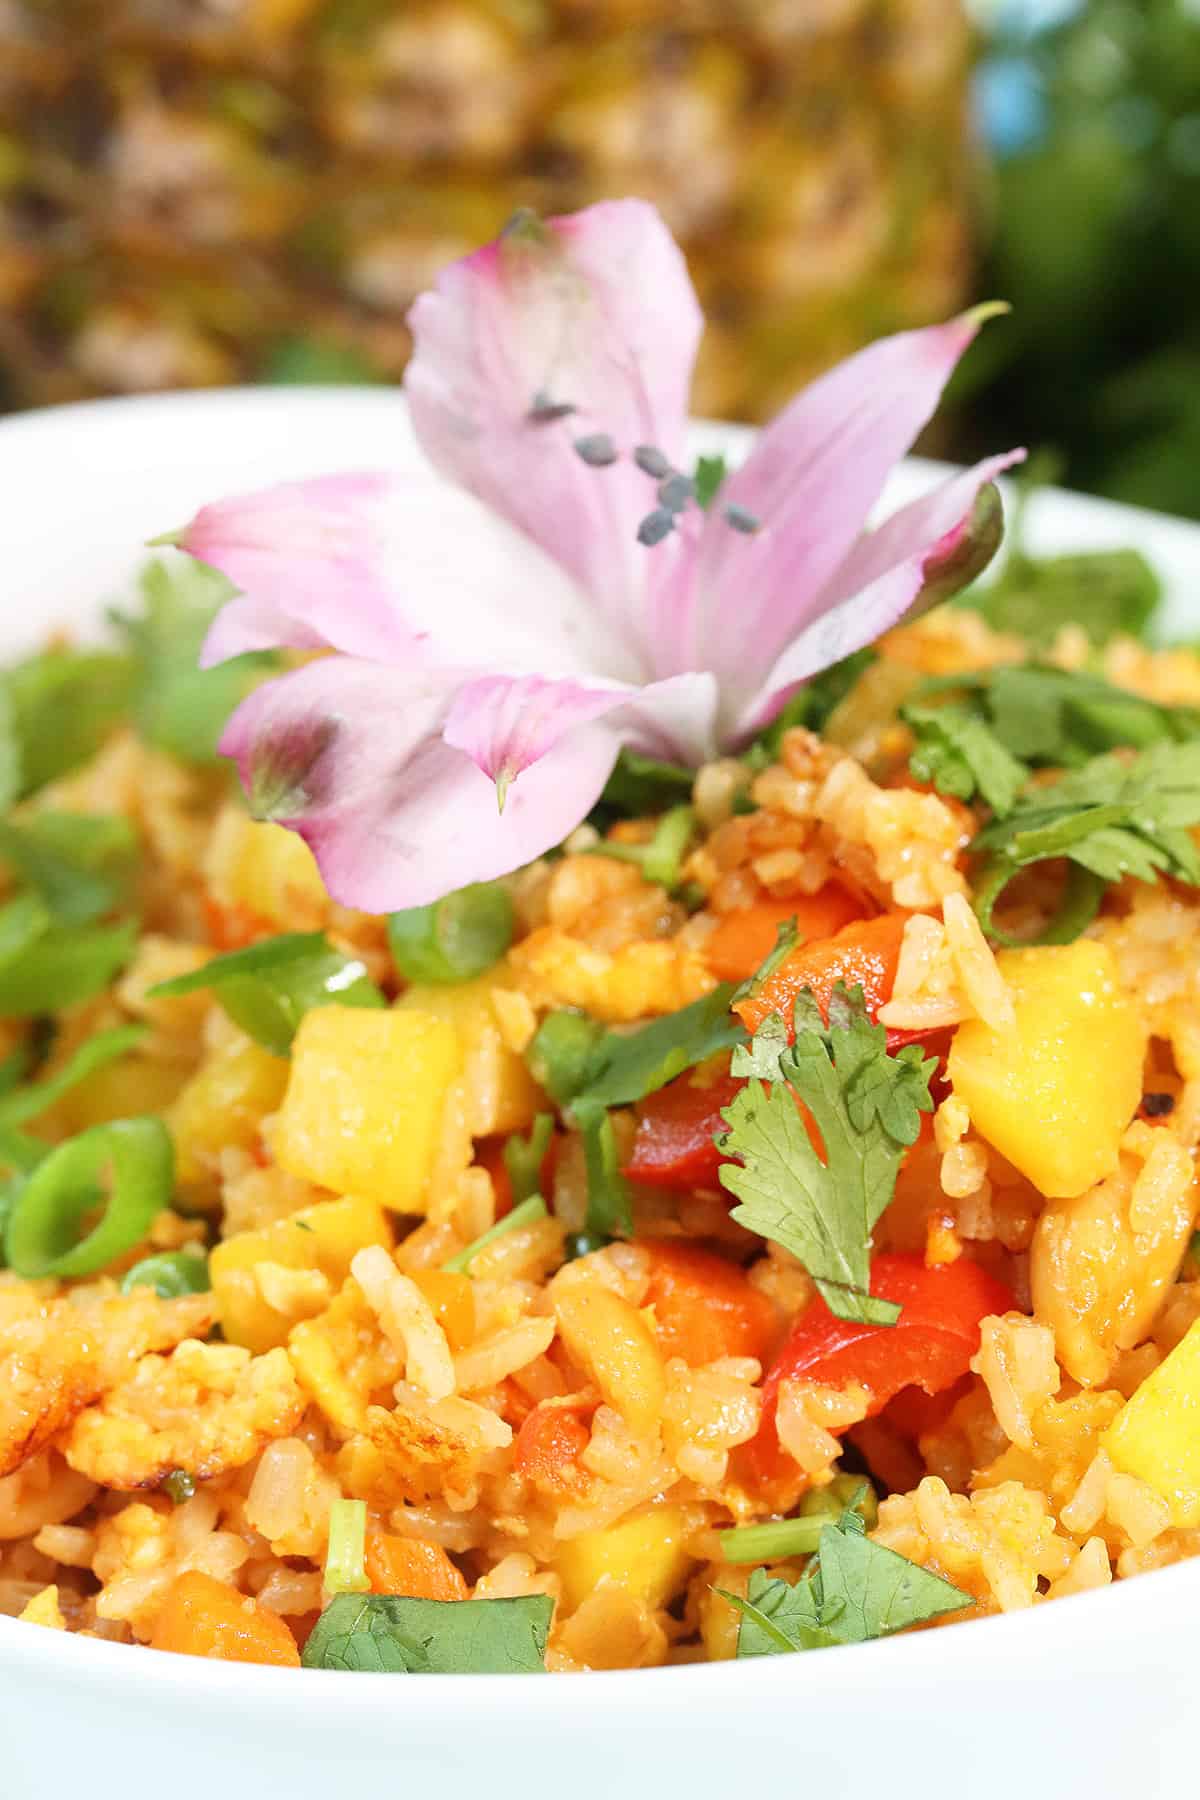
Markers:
point(864, 954)
point(233, 927)
point(412, 1566)
point(205, 1617)
point(452, 1299)
point(548, 1447)
point(704, 1307)
point(743, 940)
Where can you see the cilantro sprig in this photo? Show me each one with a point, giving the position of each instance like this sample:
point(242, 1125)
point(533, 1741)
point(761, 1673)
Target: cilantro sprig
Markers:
point(854, 1590)
point(866, 1106)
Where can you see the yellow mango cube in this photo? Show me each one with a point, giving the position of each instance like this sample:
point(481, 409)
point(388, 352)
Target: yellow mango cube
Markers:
point(1055, 1093)
point(223, 1106)
point(363, 1109)
point(264, 871)
point(321, 1238)
point(644, 1555)
point(1156, 1434)
point(500, 1094)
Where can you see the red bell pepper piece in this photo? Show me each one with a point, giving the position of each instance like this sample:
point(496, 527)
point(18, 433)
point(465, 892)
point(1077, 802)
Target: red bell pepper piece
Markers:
point(930, 1346)
point(673, 1146)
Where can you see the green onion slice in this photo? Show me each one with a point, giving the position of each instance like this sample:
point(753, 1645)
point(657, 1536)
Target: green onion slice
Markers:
point(456, 938)
point(345, 1560)
point(171, 1274)
point(42, 1236)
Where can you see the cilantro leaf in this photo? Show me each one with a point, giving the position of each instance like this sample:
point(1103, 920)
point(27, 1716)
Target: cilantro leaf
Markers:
point(1117, 815)
point(82, 865)
point(983, 734)
point(866, 1107)
point(962, 756)
point(394, 1635)
point(626, 1066)
point(57, 709)
point(854, 1591)
point(1106, 592)
point(178, 706)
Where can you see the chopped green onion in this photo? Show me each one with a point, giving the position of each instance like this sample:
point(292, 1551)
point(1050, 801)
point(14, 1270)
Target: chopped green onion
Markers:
point(801, 1536)
point(455, 938)
point(267, 988)
point(42, 1234)
point(660, 859)
point(609, 1204)
point(179, 1486)
point(55, 966)
point(36, 1097)
point(523, 1157)
point(525, 1214)
point(345, 1559)
point(560, 1053)
point(173, 1273)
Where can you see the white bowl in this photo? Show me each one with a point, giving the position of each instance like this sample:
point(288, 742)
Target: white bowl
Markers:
point(1091, 1696)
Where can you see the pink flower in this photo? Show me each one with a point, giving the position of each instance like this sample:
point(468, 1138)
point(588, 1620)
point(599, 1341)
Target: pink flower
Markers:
point(502, 627)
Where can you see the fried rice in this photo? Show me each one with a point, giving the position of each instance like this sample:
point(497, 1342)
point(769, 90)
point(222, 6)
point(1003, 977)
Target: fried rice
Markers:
point(587, 1421)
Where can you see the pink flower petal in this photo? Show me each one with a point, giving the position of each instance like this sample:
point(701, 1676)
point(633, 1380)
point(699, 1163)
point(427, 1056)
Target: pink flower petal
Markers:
point(929, 549)
point(594, 312)
point(810, 483)
point(393, 567)
point(351, 755)
point(506, 724)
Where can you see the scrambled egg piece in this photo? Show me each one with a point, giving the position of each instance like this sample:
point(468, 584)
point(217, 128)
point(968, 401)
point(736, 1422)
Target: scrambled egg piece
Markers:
point(58, 1356)
point(204, 1409)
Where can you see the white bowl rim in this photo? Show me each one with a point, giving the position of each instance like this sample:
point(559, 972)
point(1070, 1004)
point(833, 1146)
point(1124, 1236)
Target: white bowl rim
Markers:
point(1120, 1614)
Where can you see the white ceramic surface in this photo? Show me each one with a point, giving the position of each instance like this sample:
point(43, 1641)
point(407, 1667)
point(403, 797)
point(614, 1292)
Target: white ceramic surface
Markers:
point(1089, 1697)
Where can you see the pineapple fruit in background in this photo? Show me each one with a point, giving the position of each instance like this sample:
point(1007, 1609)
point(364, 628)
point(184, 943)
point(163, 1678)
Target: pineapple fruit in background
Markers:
point(202, 191)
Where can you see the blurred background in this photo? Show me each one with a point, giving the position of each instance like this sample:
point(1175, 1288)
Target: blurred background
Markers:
point(198, 192)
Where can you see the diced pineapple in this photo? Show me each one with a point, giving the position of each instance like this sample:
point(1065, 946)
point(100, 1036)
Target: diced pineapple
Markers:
point(323, 1238)
point(1055, 1093)
point(119, 1090)
point(266, 872)
point(1156, 1434)
point(499, 1092)
point(364, 1102)
point(644, 1555)
point(223, 1107)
